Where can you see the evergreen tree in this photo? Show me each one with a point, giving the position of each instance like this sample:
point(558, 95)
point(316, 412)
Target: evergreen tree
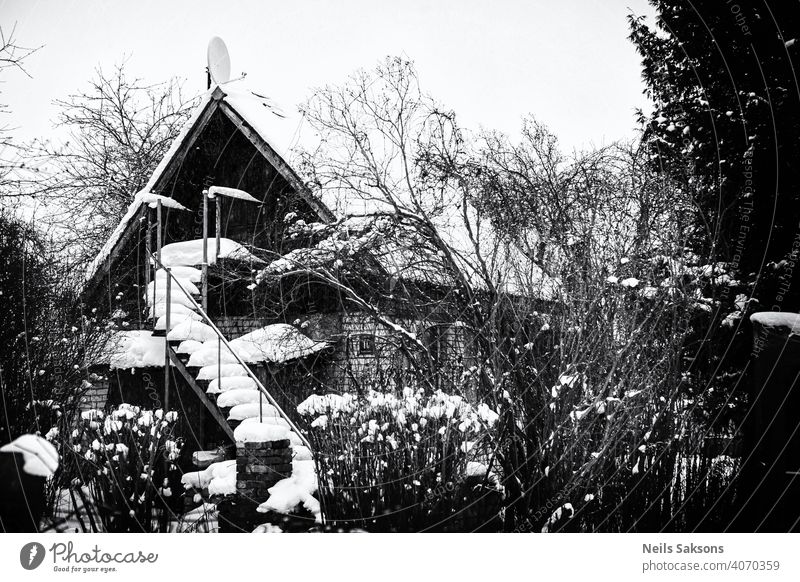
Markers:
point(42, 337)
point(722, 75)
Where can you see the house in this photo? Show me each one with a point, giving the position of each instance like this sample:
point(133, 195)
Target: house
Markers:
point(285, 297)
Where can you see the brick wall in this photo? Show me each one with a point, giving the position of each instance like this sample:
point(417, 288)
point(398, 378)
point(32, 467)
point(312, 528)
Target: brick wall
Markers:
point(95, 396)
point(260, 465)
point(367, 352)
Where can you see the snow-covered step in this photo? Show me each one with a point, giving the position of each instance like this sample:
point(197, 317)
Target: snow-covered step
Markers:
point(231, 383)
point(233, 398)
point(202, 459)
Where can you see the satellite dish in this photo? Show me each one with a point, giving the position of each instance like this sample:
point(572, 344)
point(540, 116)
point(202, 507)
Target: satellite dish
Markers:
point(219, 62)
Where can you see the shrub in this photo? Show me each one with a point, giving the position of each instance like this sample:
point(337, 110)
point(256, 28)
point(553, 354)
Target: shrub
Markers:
point(405, 462)
point(122, 467)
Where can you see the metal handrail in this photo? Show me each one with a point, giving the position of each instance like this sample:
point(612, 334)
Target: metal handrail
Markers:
point(250, 373)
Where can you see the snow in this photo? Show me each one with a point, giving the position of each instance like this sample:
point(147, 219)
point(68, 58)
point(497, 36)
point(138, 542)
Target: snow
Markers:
point(177, 297)
point(190, 252)
point(219, 478)
point(159, 286)
point(213, 351)
point(175, 310)
point(224, 484)
point(251, 409)
point(191, 330)
point(41, 457)
point(476, 469)
point(776, 322)
point(92, 414)
point(152, 201)
point(231, 193)
point(175, 318)
point(225, 370)
point(320, 422)
point(279, 342)
point(317, 404)
point(233, 398)
point(181, 273)
point(255, 432)
point(305, 474)
point(260, 114)
point(302, 453)
point(133, 349)
point(188, 346)
point(226, 383)
point(290, 493)
point(267, 528)
point(273, 420)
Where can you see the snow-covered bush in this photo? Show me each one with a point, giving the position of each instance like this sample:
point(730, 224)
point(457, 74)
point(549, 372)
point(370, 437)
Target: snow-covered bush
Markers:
point(126, 460)
point(398, 462)
point(582, 306)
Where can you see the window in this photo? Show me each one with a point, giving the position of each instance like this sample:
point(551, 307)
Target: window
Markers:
point(435, 340)
point(364, 345)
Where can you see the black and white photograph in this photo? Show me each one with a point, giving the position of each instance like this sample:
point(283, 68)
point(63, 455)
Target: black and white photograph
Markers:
point(400, 268)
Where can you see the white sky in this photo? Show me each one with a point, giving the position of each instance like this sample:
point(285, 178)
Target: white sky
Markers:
point(568, 62)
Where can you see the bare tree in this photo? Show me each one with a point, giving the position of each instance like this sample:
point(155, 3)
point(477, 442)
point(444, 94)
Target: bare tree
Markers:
point(12, 58)
point(566, 274)
point(117, 131)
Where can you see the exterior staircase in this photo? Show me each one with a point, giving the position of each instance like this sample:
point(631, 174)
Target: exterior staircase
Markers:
point(271, 453)
point(214, 367)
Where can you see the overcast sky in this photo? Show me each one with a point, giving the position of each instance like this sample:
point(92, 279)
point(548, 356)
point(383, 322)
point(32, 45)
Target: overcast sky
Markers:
point(568, 62)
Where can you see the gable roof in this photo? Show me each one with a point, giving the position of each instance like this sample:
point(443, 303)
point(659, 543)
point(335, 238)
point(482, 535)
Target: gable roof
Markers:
point(256, 118)
point(251, 115)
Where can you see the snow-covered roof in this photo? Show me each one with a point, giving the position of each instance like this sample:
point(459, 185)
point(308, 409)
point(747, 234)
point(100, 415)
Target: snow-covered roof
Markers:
point(143, 196)
point(401, 252)
point(276, 343)
point(271, 127)
point(510, 269)
point(128, 349)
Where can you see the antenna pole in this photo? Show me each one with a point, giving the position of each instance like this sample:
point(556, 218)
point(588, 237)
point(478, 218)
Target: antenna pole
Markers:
point(208, 78)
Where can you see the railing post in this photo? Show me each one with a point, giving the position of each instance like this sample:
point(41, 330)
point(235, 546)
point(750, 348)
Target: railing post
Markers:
point(148, 252)
point(158, 231)
point(218, 225)
point(158, 251)
point(168, 298)
point(205, 250)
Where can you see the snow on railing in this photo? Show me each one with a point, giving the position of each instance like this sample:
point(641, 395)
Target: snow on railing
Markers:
point(241, 362)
